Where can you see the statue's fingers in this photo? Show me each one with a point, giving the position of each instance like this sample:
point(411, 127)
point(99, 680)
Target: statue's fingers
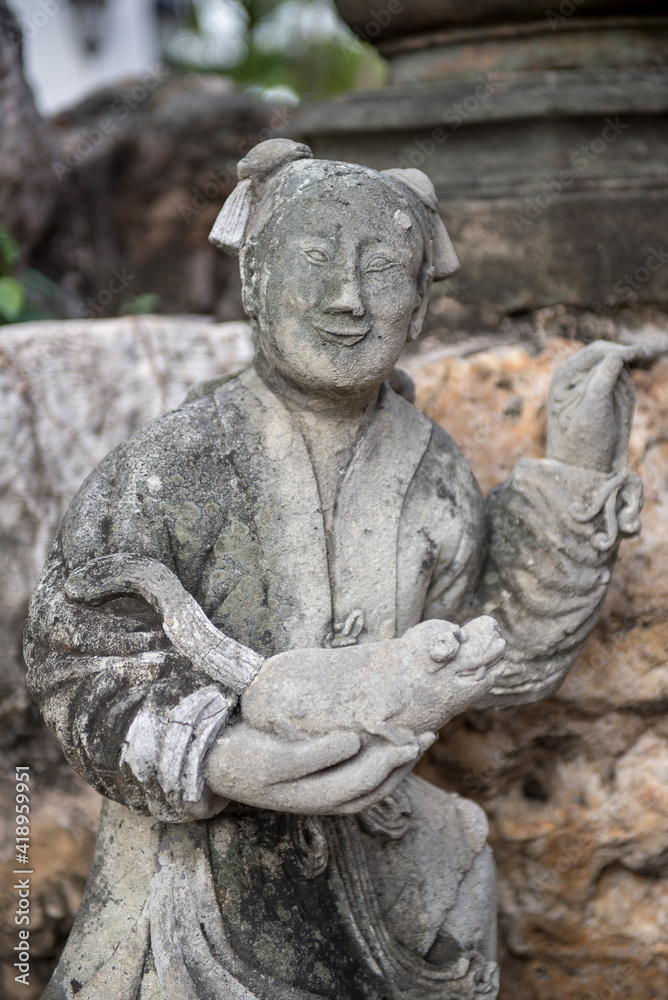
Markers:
point(294, 761)
point(425, 740)
point(391, 783)
point(601, 349)
point(627, 351)
point(592, 355)
point(373, 766)
point(580, 363)
point(363, 774)
point(386, 788)
point(605, 376)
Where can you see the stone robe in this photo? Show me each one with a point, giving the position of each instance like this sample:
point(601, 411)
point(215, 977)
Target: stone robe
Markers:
point(192, 897)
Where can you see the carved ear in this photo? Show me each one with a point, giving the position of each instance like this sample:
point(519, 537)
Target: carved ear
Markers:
point(424, 283)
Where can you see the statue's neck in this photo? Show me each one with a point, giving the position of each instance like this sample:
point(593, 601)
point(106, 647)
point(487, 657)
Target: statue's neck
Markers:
point(348, 409)
point(330, 427)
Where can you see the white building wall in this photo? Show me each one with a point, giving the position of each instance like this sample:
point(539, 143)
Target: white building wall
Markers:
point(57, 66)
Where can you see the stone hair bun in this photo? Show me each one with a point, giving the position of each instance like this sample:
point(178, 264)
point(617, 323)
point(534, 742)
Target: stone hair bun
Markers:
point(417, 182)
point(265, 158)
point(445, 259)
point(268, 156)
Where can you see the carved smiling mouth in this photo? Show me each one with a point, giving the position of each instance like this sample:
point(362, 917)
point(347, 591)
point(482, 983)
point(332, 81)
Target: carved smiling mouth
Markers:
point(344, 336)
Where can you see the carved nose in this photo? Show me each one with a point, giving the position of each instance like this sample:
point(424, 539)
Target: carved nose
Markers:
point(344, 297)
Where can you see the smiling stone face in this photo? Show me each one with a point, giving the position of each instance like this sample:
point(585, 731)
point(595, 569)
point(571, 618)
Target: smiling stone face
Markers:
point(335, 278)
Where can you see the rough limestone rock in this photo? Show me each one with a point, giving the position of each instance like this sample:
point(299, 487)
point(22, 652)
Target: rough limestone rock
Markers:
point(69, 392)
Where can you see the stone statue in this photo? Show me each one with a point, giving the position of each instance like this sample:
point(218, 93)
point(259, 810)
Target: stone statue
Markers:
point(261, 607)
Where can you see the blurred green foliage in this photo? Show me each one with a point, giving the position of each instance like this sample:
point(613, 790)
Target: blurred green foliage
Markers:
point(140, 305)
point(24, 294)
point(281, 47)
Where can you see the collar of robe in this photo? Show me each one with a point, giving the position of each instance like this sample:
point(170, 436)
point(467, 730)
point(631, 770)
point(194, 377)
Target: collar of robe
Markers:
point(352, 592)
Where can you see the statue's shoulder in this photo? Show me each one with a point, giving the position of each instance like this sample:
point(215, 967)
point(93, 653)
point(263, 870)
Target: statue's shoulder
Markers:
point(445, 447)
point(176, 458)
point(444, 471)
point(209, 387)
point(196, 419)
point(180, 428)
point(239, 393)
point(183, 439)
point(414, 423)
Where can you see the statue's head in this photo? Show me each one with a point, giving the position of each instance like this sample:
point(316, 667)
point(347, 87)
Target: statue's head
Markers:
point(336, 260)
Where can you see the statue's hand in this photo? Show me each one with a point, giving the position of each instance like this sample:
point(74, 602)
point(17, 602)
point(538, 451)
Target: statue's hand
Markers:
point(591, 407)
point(310, 776)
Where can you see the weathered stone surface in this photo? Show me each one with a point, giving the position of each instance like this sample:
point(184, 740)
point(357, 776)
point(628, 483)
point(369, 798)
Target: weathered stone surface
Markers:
point(430, 15)
point(575, 788)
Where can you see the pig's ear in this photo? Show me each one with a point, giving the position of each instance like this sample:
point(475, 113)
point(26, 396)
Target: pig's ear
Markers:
point(445, 649)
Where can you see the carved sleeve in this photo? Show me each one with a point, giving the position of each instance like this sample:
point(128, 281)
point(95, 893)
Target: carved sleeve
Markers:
point(554, 532)
point(133, 715)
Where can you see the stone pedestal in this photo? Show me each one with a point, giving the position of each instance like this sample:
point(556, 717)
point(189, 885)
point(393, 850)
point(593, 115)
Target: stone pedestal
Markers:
point(545, 135)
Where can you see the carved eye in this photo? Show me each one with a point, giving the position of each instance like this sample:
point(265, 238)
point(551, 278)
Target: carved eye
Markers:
point(379, 262)
point(316, 256)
